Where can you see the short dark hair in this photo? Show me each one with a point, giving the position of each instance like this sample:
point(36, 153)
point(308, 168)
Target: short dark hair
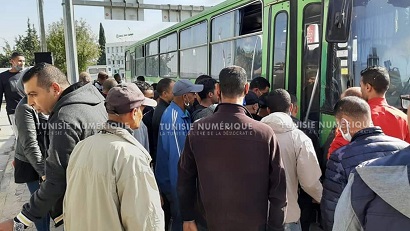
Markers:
point(260, 83)
point(108, 84)
point(102, 75)
point(140, 78)
point(353, 107)
point(143, 86)
point(154, 85)
point(163, 85)
point(117, 75)
point(378, 77)
point(232, 81)
point(201, 78)
point(209, 86)
point(293, 99)
point(16, 54)
point(47, 74)
point(279, 101)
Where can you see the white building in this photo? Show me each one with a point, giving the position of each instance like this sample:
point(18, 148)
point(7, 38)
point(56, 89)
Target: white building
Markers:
point(115, 56)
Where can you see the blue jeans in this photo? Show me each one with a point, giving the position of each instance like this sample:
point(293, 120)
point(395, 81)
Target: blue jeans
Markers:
point(294, 226)
point(44, 223)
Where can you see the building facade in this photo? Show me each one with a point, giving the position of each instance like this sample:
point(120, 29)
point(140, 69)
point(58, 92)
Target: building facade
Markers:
point(115, 56)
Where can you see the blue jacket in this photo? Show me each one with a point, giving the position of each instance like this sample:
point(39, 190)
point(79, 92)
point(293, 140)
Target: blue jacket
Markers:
point(173, 129)
point(367, 144)
point(377, 196)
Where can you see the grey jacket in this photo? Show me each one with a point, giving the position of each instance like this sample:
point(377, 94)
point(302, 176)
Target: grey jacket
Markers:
point(141, 134)
point(377, 196)
point(79, 113)
point(30, 142)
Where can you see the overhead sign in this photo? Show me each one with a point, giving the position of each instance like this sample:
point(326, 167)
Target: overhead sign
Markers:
point(120, 11)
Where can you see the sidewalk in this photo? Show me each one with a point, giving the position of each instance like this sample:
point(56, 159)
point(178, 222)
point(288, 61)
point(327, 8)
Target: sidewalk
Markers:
point(12, 196)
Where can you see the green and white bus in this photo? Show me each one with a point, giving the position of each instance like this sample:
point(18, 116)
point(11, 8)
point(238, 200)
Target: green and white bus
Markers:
point(313, 48)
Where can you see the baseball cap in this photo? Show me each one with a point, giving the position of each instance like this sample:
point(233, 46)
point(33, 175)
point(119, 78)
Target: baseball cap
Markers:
point(123, 98)
point(184, 86)
point(251, 98)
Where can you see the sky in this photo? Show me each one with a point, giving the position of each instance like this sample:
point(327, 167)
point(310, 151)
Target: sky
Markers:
point(15, 13)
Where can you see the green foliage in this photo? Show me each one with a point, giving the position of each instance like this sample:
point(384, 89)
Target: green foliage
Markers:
point(87, 49)
point(26, 44)
point(101, 42)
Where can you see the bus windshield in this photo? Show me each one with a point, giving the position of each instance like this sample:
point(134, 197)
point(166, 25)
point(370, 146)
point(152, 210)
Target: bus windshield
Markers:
point(380, 35)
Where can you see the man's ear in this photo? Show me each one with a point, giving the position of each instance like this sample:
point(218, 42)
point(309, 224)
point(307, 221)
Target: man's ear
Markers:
point(56, 88)
point(268, 110)
point(246, 88)
point(218, 90)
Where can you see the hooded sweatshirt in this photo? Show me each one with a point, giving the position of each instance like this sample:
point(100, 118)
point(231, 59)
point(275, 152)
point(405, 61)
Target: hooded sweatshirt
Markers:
point(299, 160)
point(79, 113)
point(377, 196)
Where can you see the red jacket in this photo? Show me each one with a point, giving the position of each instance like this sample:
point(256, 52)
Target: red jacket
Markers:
point(392, 121)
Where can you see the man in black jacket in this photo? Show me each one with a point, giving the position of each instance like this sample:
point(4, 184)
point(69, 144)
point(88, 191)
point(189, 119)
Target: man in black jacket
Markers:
point(75, 113)
point(8, 86)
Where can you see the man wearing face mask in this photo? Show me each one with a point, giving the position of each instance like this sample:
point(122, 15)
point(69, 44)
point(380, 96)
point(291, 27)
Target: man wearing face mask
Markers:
point(173, 129)
point(353, 118)
point(8, 86)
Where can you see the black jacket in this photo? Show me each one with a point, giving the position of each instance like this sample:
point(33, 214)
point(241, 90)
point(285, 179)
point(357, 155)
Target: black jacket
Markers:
point(8, 86)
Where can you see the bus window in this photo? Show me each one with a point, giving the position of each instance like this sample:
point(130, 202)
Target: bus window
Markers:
point(152, 61)
point(168, 66)
point(237, 40)
point(279, 53)
point(380, 35)
point(310, 101)
point(139, 61)
point(193, 51)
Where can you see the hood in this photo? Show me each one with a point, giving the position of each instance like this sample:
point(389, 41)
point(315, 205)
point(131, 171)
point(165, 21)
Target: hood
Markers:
point(391, 183)
point(87, 94)
point(280, 122)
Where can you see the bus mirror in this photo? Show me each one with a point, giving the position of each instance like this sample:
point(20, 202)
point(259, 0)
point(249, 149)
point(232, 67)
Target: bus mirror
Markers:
point(338, 21)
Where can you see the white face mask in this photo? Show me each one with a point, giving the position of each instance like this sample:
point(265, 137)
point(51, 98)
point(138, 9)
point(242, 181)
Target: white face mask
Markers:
point(346, 135)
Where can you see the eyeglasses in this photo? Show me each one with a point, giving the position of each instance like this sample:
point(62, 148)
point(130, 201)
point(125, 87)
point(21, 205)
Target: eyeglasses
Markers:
point(405, 101)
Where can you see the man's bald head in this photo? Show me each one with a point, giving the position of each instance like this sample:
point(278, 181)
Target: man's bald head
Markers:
point(352, 91)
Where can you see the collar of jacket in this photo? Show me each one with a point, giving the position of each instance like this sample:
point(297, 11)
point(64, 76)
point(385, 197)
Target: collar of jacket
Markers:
point(121, 130)
point(231, 108)
point(163, 102)
point(377, 101)
point(371, 131)
point(114, 126)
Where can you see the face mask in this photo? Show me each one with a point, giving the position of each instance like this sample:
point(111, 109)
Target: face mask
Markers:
point(346, 135)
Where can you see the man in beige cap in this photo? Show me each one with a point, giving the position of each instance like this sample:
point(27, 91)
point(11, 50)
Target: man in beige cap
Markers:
point(110, 185)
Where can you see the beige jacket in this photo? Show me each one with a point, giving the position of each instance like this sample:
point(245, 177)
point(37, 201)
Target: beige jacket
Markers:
point(110, 185)
point(299, 160)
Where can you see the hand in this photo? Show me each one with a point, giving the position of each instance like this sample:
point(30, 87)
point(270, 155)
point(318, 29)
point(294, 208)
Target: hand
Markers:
point(188, 226)
point(13, 163)
point(43, 178)
point(7, 225)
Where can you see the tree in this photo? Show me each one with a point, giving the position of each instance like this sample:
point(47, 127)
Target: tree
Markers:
point(87, 48)
point(28, 44)
point(101, 42)
point(25, 44)
point(5, 58)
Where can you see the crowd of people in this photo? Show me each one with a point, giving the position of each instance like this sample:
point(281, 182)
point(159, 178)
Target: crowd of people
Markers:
point(218, 154)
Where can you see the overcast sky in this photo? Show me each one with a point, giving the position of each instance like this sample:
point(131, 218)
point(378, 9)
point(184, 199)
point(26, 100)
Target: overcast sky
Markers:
point(14, 15)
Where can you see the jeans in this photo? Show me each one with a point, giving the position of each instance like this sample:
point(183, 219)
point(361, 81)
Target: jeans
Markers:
point(44, 223)
point(294, 226)
point(12, 120)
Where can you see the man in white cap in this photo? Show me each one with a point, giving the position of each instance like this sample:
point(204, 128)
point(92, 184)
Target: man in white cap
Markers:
point(173, 129)
point(110, 185)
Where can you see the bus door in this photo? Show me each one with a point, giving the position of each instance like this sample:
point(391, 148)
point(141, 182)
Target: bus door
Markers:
point(278, 46)
point(309, 60)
